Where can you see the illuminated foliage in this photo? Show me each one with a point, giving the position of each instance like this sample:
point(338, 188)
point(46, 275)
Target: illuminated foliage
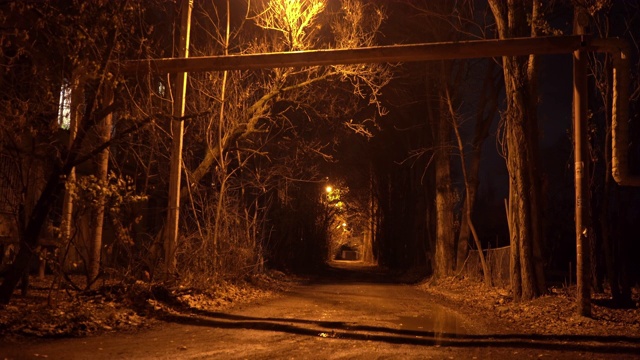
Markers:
point(295, 20)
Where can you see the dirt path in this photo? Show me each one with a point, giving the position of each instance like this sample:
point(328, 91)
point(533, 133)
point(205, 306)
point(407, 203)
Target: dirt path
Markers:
point(359, 315)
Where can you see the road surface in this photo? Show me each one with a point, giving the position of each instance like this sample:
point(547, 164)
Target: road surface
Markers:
point(353, 313)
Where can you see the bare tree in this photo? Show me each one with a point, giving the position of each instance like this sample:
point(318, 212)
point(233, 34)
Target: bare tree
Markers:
point(253, 119)
point(48, 43)
point(468, 186)
point(453, 21)
point(521, 148)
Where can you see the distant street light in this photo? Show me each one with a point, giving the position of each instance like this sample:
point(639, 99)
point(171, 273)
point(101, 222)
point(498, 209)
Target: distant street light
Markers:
point(329, 189)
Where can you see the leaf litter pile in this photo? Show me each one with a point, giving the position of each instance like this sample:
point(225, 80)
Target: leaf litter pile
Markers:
point(119, 307)
point(554, 313)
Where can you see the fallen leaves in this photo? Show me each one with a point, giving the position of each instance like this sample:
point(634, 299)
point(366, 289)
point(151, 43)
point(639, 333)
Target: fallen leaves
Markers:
point(554, 313)
point(74, 317)
point(115, 308)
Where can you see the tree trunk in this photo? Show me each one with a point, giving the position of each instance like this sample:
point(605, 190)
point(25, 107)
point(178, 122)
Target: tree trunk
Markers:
point(533, 151)
point(520, 205)
point(54, 186)
point(467, 186)
point(372, 221)
point(445, 234)
point(95, 248)
point(521, 137)
point(29, 242)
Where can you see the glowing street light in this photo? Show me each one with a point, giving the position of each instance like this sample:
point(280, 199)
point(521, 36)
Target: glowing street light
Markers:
point(329, 189)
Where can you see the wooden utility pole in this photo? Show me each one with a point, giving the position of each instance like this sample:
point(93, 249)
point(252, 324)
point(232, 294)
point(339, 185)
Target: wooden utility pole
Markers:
point(177, 128)
point(581, 168)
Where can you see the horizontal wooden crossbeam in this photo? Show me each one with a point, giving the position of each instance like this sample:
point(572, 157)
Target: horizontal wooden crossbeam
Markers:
point(376, 54)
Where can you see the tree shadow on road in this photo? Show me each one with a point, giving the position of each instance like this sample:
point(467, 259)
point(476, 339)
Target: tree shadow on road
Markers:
point(353, 331)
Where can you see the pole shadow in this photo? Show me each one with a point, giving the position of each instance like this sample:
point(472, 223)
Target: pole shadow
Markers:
point(352, 331)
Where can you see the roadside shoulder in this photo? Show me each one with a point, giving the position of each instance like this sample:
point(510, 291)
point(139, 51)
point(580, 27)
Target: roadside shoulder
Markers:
point(551, 314)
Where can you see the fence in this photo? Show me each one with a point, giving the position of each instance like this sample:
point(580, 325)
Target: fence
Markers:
point(497, 261)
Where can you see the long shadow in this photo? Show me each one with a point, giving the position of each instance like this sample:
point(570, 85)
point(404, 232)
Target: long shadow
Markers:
point(343, 330)
point(360, 273)
point(350, 326)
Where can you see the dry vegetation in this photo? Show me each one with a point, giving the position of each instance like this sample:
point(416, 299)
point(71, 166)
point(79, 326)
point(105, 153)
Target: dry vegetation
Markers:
point(119, 307)
point(554, 313)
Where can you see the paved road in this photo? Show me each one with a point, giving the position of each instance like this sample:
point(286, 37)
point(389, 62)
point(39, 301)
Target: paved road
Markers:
point(348, 315)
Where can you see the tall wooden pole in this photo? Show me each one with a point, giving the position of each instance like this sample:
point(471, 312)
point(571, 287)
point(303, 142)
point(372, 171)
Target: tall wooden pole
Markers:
point(177, 127)
point(581, 20)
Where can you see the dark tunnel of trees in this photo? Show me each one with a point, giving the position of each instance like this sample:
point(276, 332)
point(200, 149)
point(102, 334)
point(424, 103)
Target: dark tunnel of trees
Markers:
point(84, 180)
